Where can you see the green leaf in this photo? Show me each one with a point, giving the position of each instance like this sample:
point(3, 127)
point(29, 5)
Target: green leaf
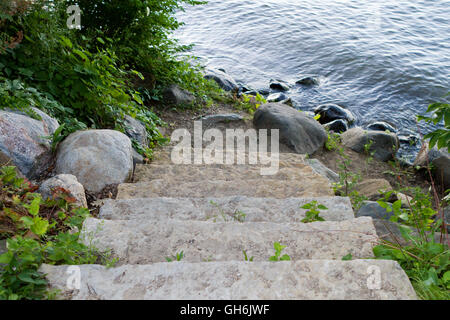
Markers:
point(285, 258)
point(347, 257)
point(40, 226)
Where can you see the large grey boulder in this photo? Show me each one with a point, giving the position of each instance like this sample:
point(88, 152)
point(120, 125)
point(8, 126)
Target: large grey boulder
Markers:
point(22, 140)
point(225, 81)
point(177, 96)
point(440, 161)
point(136, 130)
point(298, 131)
point(384, 144)
point(374, 210)
point(69, 183)
point(96, 157)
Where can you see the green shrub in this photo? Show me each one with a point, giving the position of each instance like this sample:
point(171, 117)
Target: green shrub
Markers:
point(38, 231)
point(440, 113)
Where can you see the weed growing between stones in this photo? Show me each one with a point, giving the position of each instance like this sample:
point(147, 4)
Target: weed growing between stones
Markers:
point(238, 215)
point(313, 212)
point(278, 250)
point(246, 258)
point(38, 231)
point(178, 257)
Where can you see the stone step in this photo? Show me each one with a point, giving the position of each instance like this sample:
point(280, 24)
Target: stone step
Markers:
point(313, 186)
point(288, 280)
point(193, 173)
point(224, 209)
point(164, 156)
point(145, 241)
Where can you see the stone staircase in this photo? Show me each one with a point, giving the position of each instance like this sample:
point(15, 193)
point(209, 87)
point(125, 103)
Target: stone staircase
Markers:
point(213, 213)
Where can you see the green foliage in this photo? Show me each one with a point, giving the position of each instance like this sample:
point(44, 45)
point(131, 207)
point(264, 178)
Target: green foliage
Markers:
point(278, 250)
point(38, 231)
point(177, 257)
point(440, 113)
point(246, 258)
point(313, 212)
point(418, 212)
point(238, 215)
point(333, 142)
point(249, 103)
point(347, 257)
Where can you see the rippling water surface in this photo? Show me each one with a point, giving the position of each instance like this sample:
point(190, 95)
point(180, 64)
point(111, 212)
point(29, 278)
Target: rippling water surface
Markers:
point(383, 60)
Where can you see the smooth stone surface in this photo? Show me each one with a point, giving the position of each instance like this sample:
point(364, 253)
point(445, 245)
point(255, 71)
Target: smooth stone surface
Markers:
point(337, 126)
point(301, 133)
point(370, 188)
point(330, 112)
point(324, 171)
point(194, 173)
point(143, 242)
point(68, 182)
point(96, 157)
point(237, 280)
point(316, 187)
point(440, 160)
point(381, 126)
point(164, 156)
point(277, 97)
point(218, 118)
point(308, 80)
point(224, 209)
point(22, 140)
point(374, 210)
point(176, 96)
point(137, 158)
point(225, 81)
point(279, 85)
point(136, 130)
point(384, 146)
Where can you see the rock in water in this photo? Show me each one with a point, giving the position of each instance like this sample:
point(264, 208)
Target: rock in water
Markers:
point(298, 131)
point(224, 81)
point(68, 182)
point(177, 96)
point(337, 126)
point(278, 97)
point(22, 140)
point(440, 159)
point(381, 126)
point(384, 145)
point(279, 85)
point(308, 80)
point(96, 157)
point(331, 112)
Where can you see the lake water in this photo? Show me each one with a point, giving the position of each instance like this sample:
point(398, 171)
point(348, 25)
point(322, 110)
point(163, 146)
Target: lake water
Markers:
point(383, 60)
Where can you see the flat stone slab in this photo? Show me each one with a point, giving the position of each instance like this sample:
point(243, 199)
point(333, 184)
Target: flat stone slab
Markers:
point(144, 242)
point(288, 280)
point(192, 173)
point(164, 156)
point(260, 188)
point(224, 209)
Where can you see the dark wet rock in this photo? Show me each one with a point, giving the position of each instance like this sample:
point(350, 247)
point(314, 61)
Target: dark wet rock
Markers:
point(384, 145)
point(381, 126)
point(176, 96)
point(224, 81)
point(301, 133)
point(330, 112)
point(277, 97)
point(337, 126)
point(22, 140)
point(308, 80)
point(440, 161)
point(279, 85)
point(374, 210)
point(264, 92)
